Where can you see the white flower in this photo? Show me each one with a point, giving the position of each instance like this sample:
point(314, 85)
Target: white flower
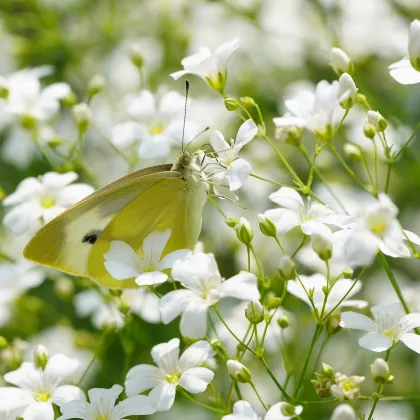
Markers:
point(20, 275)
point(242, 410)
point(212, 67)
point(407, 70)
point(377, 229)
point(102, 406)
point(143, 303)
point(171, 371)
point(348, 91)
point(340, 61)
point(122, 262)
point(343, 412)
point(346, 388)
point(26, 98)
point(293, 212)
point(205, 287)
point(313, 111)
point(37, 390)
point(104, 314)
point(235, 171)
point(388, 327)
point(37, 201)
point(317, 282)
point(157, 124)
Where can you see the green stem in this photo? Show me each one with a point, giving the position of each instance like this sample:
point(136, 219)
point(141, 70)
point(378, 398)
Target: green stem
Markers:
point(274, 182)
point(208, 407)
point(258, 395)
point(272, 376)
point(388, 177)
point(408, 141)
point(302, 243)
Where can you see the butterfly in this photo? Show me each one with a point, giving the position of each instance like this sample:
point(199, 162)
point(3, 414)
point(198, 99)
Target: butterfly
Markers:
point(154, 199)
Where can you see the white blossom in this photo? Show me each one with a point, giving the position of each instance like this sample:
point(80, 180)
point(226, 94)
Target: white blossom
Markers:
point(37, 201)
point(123, 262)
point(204, 287)
point(171, 371)
point(345, 387)
point(343, 412)
point(389, 326)
point(242, 410)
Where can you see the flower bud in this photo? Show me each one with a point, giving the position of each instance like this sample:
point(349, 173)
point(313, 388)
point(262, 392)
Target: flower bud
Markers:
point(248, 102)
point(254, 312)
point(322, 245)
point(69, 100)
point(82, 116)
point(136, 56)
point(347, 92)
point(369, 130)
point(244, 231)
point(348, 273)
point(377, 120)
point(286, 268)
point(414, 44)
point(231, 104)
point(327, 371)
point(3, 343)
point(238, 371)
point(352, 151)
point(216, 344)
point(344, 412)
point(267, 226)
point(41, 357)
point(380, 371)
point(231, 221)
point(64, 287)
point(115, 292)
point(290, 134)
point(290, 410)
point(341, 62)
point(283, 321)
point(273, 302)
point(4, 88)
point(96, 84)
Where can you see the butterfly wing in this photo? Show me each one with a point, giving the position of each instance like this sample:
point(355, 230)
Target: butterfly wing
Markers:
point(66, 242)
point(171, 204)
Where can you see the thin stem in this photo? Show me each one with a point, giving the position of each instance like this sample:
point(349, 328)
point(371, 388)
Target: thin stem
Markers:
point(258, 395)
point(217, 207)
point(375, 157)
point(257, 261)
point(248, 252)
point(272, 376)
point(408, 141)
point(280, 245)
point(274, 182)
point(302, 243)
point(208, 407)
point(388, 177)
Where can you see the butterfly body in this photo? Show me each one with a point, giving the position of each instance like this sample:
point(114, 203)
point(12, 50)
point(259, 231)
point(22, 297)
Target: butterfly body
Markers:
point(153, 199)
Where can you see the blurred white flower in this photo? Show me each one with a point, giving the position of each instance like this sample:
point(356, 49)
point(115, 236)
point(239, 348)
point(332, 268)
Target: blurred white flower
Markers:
point(20, 275)
point(37, 390)
point(313, 111)
point(102, 406)
point(143, 303)
point(345, 387)
point(27, 98)
point(340, 61)
point(389, 326)
point(407, 70)
point(242, 410)
point(317, 282)
point(343, 412)
point(37, 201)
point(310, 217)
point(377, 228)
point(230, 170)
point(171, 371)
point(211, 67)
point(122, 262)
point(205, 287)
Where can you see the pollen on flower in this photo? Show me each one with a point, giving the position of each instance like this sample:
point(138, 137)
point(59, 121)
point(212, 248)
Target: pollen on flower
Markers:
point(173, 378)
point(156, 129)
point(379, 227)
point(43, 396)
point(47, 202)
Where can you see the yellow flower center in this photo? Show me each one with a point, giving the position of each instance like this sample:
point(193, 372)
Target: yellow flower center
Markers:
point(156, 129)
point(379, 228)
point(47, 202)
point(102, 418)
point(174, 377)
point(43, 396)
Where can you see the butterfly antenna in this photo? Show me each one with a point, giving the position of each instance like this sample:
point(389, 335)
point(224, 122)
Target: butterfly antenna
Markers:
point(187, 89)
point(197, 135)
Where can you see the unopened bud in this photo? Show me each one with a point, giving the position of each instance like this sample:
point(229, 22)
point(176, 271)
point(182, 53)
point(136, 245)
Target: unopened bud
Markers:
point(286, 268)
point(352, 151)
point(380, 371)
point(231, 104)
point(369, 130)
point(231, 221)
point(290, 134)
point(244, 231)
point(327, 371)
point(283, 321)
point(347, 92)
point(216, 344)
point(273, 302)
point(377, 121)
point(341, 62)
point(248, 102)
point(254, 312)
point(348, 273)
point(96, 84)
point(82, 116)
point(344, 412)
point(414, 44)
point(55, 142)
point(289, 410)
point(238, 371)
point(41, 357)
point(69, 100)
point(136, 56)
point(322, 245)
point(267, 226)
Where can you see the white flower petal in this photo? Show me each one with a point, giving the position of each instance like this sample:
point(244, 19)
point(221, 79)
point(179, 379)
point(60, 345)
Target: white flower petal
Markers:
point(59, 368)
point(194, 320)
point(39, 411)
point(195, 355)
point(284, 219)
point(121, 261)
point(218, 143)
point(224, 52)
point(27, 376)
point(376, 342)
point(242, 286)
point(410, 321)
point(163, 396)
point(140, 378)
point(74, 410)
point(237, 173)
point(105, 398)
point(174, 303)
point(412, 341)
point(242, 410)
point(139, 405)
point(12, 398)
point(356, 321)
point(125, 134)
point(275, 413)
point(154, 244)
point(287, 198)
point(247, 131)
point(74, 193)
point(26, 190)
point(55, 181)
point(196, 379)
point(360, 248)
point(403, 72)
point(23, 217)
point(151, 278)
point(169, 260)
point(166, 355)
point(65, 393)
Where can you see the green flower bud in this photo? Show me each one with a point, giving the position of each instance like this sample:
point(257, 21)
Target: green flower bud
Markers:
point(231, 104)
point(248, 102)
point(353, 151)
point(69, 100)
point(254, 312)
point(377, 120)
point(244, 231)
point(41, 357)
point(341, 62)
point(238, 371)
point(327, 371)
point(96, 85)
point(231, 221)
point(267, 226)
point(273, 302)
point(28, 122)
point(289, 410)
point(136, 56)
point(380, 371)
point(82, 116)
point(347, 92)
point(348, 273)
point(369, 130)
point(283, 321)
point(322, 245)
point(290, 134)
point(286, 268)
point(4, 88)
point(115, 292)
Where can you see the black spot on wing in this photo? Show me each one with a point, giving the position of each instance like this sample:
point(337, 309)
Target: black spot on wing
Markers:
point(91, 237)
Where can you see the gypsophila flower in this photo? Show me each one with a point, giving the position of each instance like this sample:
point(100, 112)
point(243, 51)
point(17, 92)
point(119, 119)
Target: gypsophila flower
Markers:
point(205, 287)
point(346, 388)
point(122, 262)
point(242, 410)
point(389, 326)
point(37, 201)
point(171, 371)
point(38, 389)
point(211, 67)
point(102, 406)
point(343, 412)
